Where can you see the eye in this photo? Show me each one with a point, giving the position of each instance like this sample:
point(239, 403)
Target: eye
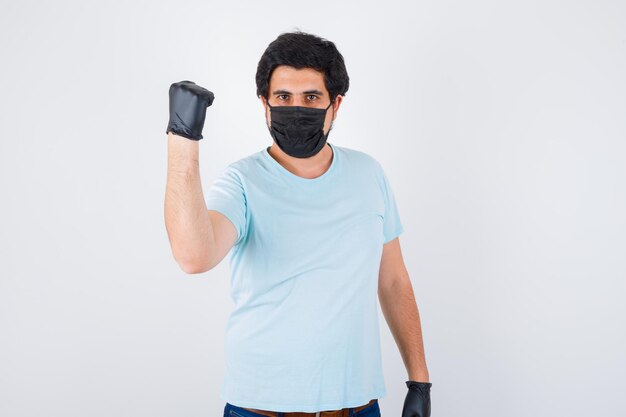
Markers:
point(282, 95)
point(314, 97)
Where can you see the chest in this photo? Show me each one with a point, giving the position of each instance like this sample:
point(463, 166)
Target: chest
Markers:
point(331, 220)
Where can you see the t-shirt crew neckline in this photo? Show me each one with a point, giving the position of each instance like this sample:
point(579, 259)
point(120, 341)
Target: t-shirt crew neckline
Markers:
point(293, 177)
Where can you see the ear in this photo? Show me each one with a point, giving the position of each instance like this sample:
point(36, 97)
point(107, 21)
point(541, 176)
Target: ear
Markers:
point(336, 104)
point(265, 111)
point(264, 104)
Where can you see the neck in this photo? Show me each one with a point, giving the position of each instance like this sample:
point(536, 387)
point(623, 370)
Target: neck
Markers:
point(311, 167)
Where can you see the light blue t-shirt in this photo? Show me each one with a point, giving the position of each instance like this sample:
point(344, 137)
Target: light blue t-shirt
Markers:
point(304, 332)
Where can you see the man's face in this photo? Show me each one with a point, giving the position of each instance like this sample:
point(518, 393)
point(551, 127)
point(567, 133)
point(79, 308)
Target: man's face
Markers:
point(289, 86)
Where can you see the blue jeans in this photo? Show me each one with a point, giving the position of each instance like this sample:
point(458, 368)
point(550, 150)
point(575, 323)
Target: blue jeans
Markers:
point(231, 410)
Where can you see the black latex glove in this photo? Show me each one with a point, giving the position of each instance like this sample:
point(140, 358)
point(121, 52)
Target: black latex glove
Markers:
point(417, 401)
point(188, 104)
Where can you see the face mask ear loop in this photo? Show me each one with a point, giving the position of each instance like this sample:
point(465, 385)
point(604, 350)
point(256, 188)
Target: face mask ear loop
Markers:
point(331, 120)
point(331, 103)
point(267, 101)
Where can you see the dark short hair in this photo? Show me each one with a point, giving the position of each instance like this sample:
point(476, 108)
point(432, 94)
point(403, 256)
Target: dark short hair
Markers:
point(303, 50)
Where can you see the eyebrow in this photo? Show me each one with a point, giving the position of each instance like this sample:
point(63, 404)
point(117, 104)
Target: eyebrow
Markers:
point(318, 92)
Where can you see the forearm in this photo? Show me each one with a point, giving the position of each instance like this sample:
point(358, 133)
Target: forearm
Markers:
point(187, 220)
point(401, 313)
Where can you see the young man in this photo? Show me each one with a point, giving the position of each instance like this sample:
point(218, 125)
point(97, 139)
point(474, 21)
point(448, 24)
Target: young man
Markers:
point(312, 230)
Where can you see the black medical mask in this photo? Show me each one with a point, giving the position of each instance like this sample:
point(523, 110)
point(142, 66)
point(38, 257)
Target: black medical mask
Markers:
point(297, 130)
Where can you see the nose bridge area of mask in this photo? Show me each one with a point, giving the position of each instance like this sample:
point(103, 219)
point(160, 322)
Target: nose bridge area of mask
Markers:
point(298, 109)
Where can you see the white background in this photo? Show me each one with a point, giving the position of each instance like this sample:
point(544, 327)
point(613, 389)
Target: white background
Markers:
point(501, 126)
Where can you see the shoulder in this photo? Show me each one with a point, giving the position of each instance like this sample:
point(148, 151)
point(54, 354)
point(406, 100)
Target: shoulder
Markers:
point(360, 158)
point(244, 167)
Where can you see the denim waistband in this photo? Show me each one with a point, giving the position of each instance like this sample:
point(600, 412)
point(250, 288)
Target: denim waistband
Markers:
point(371, 409)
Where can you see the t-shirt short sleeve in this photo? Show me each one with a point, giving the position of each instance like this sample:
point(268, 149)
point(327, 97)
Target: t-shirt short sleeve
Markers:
point(392, 226)
point(227, 195)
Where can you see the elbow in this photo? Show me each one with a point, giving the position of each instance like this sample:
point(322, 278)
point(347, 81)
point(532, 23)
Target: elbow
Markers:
point(191, 269)
point(193, 266)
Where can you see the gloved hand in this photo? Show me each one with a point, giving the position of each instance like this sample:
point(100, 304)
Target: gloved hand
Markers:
point(188, 104)
point(417, 401)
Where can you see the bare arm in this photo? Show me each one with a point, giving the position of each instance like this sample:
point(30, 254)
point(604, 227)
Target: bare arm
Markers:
point(397, 301)
point(199, 238)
